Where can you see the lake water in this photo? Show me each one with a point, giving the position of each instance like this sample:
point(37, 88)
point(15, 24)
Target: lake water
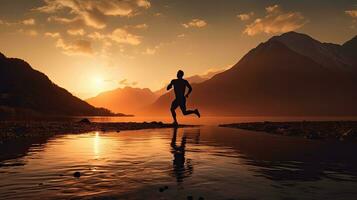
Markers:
point(206, 161)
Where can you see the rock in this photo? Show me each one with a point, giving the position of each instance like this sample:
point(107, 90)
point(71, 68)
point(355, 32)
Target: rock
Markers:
point(77, 174)
point(189, 198)
point(85, 121)
point(313, 135)
point(349, 135)
point(201, 198)
point(161, 189)
point(166, 187)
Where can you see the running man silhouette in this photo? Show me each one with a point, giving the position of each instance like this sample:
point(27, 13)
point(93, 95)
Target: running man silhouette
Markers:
point(180, 85)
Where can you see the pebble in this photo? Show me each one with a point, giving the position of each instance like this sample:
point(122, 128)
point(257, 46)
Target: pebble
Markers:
point(77, 174)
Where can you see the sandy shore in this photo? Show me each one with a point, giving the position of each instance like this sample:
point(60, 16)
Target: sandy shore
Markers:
point(337, 130)
point(33, 129)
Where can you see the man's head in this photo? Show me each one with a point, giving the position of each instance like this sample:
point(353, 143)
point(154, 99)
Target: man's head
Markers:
point(180, 74)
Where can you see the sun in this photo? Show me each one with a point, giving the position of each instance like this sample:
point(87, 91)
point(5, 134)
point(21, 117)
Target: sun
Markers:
point(98, 81)
point(97, 84)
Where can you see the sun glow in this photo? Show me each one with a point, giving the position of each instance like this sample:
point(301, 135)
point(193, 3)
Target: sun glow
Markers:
point(96, 145)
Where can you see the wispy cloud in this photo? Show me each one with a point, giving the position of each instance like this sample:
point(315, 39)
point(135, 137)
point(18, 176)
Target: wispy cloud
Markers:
point(74, 32)
point(198, 23)
point(30, 21)
point(78, 47)
point(126, 82)
point(245, 16)
point(29, 32)
point(351, 13)
point(53, 34)
point(91, 13)
point(276, 21)
point(119, 35)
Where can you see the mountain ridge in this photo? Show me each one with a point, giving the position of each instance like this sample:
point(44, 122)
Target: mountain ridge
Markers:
point(273, 79)
point(23, 88)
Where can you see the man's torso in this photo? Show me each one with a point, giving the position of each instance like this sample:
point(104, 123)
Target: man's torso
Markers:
point(179, 88)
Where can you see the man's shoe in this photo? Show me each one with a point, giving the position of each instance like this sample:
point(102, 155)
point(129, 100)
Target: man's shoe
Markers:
point(175, 124)
point(197, 113)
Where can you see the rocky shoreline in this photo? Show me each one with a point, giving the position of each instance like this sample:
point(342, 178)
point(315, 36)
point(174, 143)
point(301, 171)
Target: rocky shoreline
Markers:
point(15, 130)
point(336, 130)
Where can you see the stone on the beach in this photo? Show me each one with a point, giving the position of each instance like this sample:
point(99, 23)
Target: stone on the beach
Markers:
point(85, 120)
point(77, 174)
point(161, 189)
point(189, 197)
point(349, 135)
point(201, 198)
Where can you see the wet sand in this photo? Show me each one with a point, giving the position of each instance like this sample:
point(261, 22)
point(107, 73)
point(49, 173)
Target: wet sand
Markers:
point(336, 130)
point(16, 130)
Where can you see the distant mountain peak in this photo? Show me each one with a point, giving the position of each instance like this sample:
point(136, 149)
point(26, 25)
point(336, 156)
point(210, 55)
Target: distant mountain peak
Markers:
point(351, 43)
point(294, 37)
point(2, 55)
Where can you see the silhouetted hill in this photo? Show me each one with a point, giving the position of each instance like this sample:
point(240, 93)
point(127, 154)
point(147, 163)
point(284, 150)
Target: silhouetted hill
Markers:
point(350, 48)
point(127, 100)
point(288, 75)
point(25, 91)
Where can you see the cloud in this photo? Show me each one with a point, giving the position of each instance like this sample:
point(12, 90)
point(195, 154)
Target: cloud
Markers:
point(351, 13)
point(158, 14)
point(150, 51)
point(123, 37)
point(182, 35)
point(97, 36)
point(92, 13)
point(119, 35)
point(63, 20)
point(245, 16)
point(199, 23)
point(141, 26)
point(30, 21)
point(273, 8)
point(53, 35)
point(76, 32)
point(276, 21)
point(78, 47)
point(29, 32)
point(125, 82)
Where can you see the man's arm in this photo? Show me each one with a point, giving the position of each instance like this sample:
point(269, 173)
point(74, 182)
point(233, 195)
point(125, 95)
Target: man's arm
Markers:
point(169, 86)
point(189, 89)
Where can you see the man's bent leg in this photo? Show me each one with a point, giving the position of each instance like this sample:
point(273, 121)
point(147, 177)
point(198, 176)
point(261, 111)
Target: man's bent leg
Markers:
point(188, 112)
point(183, 109)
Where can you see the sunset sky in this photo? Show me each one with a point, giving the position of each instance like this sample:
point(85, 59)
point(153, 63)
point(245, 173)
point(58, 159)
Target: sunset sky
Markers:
point(90, 46)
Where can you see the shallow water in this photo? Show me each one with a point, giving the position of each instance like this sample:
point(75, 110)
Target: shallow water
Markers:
point(206, 161)
point(214, 120)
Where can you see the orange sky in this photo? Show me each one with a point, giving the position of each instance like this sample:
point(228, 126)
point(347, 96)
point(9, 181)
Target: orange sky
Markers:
point(89, 46)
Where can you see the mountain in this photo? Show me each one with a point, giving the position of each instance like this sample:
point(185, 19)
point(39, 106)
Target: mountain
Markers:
point(127, 100)
point(289, 75)
point(349, 48)
point(25, 91)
